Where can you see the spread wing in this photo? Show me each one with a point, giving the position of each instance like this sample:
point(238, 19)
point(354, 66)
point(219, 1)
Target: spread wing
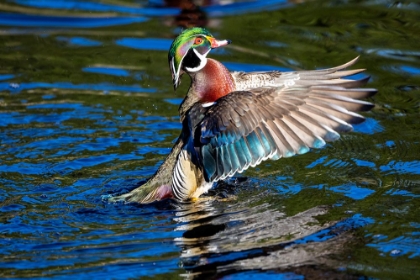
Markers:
point(246, 127)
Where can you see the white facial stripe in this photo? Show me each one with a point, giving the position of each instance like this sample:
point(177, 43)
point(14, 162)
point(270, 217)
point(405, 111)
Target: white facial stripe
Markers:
point(203, 61)
point(173, 71)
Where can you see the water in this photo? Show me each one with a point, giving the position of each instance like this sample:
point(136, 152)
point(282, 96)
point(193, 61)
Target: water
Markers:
point(87, 110)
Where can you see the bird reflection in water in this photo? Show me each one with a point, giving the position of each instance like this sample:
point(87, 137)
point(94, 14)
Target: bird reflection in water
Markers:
point(222, 238)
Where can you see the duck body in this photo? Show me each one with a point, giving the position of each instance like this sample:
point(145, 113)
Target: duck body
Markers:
point(234, 120)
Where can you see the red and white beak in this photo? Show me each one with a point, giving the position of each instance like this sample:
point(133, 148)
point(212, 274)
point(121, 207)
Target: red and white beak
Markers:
point(215, 43)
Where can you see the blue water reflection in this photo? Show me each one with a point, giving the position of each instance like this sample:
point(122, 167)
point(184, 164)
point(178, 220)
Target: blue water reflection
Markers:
point(411, 70)
point(145, 43)
point(104, 87)
point(79, 41)
point(98, 7)
point(174, 101)
point(107, 71)
point(400, 167)
point(289, 189)
point(48, 96)
point(369, 126)
point(403, 245)
point(353, 191)
point(6, 77)
point(159, 10)
point(401, 55)
point(402, 193)
point(22, 20)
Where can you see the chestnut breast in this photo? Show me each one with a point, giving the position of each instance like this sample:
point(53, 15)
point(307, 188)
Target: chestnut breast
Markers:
point(213, 81)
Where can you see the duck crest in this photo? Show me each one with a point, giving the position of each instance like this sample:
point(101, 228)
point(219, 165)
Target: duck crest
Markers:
point(212, 82)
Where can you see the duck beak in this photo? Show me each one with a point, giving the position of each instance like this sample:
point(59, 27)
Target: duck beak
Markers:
point(215, 43)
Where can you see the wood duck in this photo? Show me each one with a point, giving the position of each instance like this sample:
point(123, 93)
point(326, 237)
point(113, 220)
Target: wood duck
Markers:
point(234, 120)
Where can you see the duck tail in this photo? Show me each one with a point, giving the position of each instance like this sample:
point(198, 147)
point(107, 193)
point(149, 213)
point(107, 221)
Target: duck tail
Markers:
point(147, 193)
point(156, 188)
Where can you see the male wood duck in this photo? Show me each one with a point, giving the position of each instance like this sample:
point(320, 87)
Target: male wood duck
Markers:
point(234, 120)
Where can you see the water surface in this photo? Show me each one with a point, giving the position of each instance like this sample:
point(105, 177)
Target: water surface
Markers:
point(87, 109)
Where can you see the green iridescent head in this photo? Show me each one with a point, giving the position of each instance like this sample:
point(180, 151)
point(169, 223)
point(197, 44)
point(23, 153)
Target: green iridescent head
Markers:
point(189, 50)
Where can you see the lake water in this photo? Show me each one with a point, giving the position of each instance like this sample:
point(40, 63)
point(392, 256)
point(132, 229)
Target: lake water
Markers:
point(87, 109)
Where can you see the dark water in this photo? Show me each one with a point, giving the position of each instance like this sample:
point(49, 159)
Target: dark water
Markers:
point(87, 110)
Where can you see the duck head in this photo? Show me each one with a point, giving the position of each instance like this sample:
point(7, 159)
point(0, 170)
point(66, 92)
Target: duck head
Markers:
point(189, 50)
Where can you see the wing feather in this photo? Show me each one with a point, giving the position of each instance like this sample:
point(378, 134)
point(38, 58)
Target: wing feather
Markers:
point(244, 128)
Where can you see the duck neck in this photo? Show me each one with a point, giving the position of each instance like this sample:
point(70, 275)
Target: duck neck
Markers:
point(210, 83)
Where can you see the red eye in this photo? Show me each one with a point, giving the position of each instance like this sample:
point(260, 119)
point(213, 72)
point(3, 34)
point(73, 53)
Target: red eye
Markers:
point(198, 41)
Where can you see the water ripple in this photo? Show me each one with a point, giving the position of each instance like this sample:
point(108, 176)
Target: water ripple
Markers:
point(87, 110)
